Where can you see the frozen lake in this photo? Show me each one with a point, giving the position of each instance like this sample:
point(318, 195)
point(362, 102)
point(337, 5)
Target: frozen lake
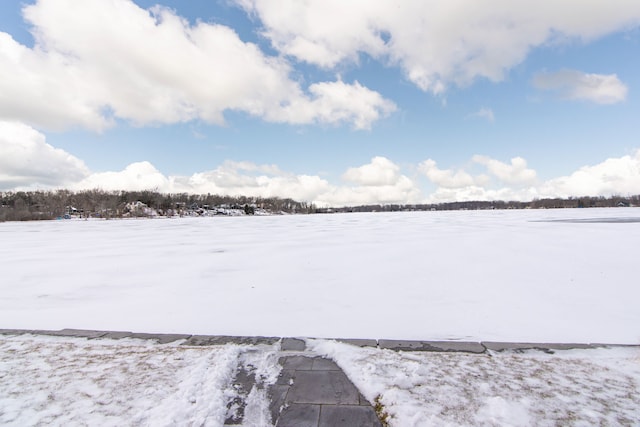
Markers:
point(554, 275)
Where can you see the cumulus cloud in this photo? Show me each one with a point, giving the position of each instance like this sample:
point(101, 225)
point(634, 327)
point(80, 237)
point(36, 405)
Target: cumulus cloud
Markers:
point(137, 176)
point(579, 86)
point(447, 178)
point(27, 161)
point(381, 171)
point(460, 185)
point(515, 181)
point(377, 182)
point(514, 173)
point(477, 193)
point(96, 61)
point(403, 191)
point(436, 43)
point(518, 182)
point(334, 103)
point(249, 179)
point(613, 176)
point(381, 182)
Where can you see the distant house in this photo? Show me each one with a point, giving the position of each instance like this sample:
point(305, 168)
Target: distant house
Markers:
point(138, 208)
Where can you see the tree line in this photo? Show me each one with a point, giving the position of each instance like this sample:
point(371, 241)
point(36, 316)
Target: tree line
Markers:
point(44, 205)
point(549, 203)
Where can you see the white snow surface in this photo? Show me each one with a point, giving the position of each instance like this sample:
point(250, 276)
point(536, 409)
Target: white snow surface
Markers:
point(464, 275)
point(567, 388)
point(74, 381)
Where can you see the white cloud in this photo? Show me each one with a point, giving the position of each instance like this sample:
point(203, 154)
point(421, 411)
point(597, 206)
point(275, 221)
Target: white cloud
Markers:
point(476, 193)
point(436, 43)
point(515, 173)
point(612, 176)
point(136, 176)
point(27, 161)
point(377, 182)
point(576, 85)
point(248, 179)
point(460, 185)
point(335, 102)
point(447, 178)
point(403, 191)
point(381, 182)
point(97, 60)
point(381, 171)
point(484, 113)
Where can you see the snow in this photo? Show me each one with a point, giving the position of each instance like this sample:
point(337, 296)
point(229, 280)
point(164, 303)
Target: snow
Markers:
point(466, 275)
point(62, 381)
point(73, 381)
point(570, 387)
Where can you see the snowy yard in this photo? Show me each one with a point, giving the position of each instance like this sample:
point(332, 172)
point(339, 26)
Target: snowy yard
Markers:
point(74, 381)
point(475, 275)
point(567, 388)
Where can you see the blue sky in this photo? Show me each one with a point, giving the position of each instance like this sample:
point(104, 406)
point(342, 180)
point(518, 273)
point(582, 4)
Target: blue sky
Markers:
point(325, 101)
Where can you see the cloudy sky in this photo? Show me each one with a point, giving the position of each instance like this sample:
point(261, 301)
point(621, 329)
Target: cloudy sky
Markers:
point(330, 101)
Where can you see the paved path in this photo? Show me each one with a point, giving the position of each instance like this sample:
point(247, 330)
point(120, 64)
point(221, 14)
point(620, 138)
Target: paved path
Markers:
point(314, 392)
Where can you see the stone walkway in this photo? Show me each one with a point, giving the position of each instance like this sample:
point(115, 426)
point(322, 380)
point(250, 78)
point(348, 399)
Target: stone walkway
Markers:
point(314, 392)
point(310, 392)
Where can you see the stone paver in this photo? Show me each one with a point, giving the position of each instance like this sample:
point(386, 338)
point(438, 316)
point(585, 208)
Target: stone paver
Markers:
point(359, 342)
point(292, 344)
point(202, 340)
point(321, 364)
point(117, 335)
point(347, 416)
point(160, 338)
point(81, 333)
point(502, 346)
point(323, 387)
point(299, 415)
point(458, 346)
point(313, 391)
point(299, 363)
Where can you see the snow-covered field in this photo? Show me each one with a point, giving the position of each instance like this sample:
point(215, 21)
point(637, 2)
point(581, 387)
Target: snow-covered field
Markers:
point(469, 275)
point(499, 275)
